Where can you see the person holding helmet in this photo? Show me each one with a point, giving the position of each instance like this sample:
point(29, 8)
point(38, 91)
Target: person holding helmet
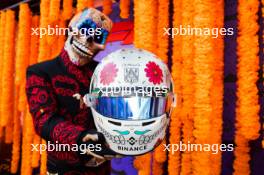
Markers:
point(131, 97)
point(56, 114)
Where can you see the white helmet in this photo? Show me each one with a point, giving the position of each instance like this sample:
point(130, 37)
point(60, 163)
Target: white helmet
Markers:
point(131, 99)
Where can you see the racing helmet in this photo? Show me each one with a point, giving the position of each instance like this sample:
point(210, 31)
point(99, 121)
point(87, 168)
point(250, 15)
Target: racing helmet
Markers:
point(131, 98)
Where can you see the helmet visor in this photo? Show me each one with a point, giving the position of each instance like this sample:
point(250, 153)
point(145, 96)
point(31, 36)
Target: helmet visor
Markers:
point(131, 108)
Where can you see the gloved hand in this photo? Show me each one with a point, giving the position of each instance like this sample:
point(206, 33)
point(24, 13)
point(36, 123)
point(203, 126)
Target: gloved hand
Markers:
point(101, 152)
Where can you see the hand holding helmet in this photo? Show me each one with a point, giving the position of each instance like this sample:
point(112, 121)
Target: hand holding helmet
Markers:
point(95, 157)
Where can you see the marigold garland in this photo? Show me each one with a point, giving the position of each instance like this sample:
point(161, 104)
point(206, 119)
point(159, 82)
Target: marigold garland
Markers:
point(7, 93)
point(175, 137)
point(2, 43)
point(262, 12)
point(247, 119)
point(160, 155)
point(124, 8)
point(107, 6)
point(9, 125)
point(163, 22)
point(145, 37)
point(81, 4)
point(187, 76)
point(144, 23)
point(157, 168)
point(23, 53)
point(22, 102)
point(175, 123)
point(61, 37)
point(67, 9)
point(90, 3)
point(1, 60)
point(242, 157)
point(248, 62)
point(54, 11)
point(217, 88)
point(35, 154)
point(23, 42)
point(33, 58)
point(44, 50)
point(56, 49)
point(26, 167)
point(203, 71)
point(16, 136)
point(9, 131)
point(44, 13)
point(54, 44)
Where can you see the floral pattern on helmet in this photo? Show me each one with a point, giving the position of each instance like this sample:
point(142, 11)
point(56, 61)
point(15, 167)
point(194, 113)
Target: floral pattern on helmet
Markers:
point(108, 74)
point(154, 73)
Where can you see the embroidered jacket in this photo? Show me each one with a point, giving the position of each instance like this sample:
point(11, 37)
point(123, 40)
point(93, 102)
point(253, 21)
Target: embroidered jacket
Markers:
point(57, 116)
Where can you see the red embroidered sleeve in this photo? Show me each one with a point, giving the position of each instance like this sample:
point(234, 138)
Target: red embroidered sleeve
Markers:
point(43, 107)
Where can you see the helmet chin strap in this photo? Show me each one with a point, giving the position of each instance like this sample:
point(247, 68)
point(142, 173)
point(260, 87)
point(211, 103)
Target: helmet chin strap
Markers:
point(69, 50)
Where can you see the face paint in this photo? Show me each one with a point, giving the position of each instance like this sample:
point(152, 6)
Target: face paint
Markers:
point(89, 31)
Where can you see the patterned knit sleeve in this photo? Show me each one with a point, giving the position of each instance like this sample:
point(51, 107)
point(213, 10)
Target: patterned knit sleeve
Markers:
point(43, 107)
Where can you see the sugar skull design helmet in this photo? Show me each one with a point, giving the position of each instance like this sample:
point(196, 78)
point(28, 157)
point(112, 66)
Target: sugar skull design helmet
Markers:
point(131, 96)
point(87, 35)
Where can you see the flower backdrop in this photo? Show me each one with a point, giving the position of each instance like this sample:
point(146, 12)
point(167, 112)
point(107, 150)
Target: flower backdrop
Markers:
point(199, 66)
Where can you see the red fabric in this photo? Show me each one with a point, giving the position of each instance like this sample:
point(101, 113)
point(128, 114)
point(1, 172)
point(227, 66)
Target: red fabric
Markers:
point(122, 31)
point(129, 38)
point(118, 36)
point(122, 26)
